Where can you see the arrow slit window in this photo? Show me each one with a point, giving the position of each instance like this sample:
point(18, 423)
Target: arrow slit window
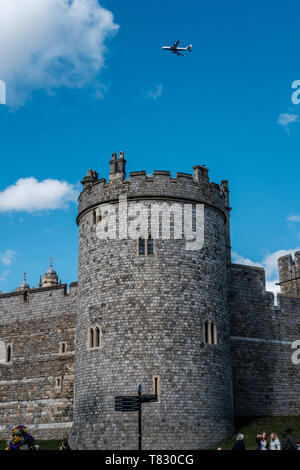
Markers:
point(8, 353)
point(210, 332)
point(156, 386)
point(94, 339)
point(92, 218)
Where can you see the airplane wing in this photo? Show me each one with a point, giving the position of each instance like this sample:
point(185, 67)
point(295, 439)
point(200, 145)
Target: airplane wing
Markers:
point(178, 53)
point(175, 45)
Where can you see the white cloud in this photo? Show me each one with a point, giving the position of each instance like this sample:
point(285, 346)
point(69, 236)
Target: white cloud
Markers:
point(269, 263)
point(293, 218)
point(155, 92)
point(239, 259)
point(47, 44)
point(285, 119)
point(7, 257)
point(30, 195)
point(272, 287)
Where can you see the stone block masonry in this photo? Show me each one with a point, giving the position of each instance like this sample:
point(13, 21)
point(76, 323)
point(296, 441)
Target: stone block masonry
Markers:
point(202, 330)
point(29, 393)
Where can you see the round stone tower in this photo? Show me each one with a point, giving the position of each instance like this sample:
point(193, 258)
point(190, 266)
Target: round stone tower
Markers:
point(152, 311)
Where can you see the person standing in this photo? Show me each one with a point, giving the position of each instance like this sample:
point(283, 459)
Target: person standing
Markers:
point(288, 442)
point(264, 444)
point(274, 442)
point(239, 444)
point(65, 446)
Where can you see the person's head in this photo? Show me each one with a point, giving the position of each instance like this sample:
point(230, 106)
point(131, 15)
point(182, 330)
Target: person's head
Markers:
point(240, 437)
point(273, 436)
point(258, 436)
point(288, 430)
point(264, 435)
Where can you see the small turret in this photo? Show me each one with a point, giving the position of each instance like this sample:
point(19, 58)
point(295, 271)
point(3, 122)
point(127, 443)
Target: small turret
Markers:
point(91, 177)
point(24, 286)
point(50, 278)
point(289, 274)
point(201, 173)
point(225, 193)
point(117, 167)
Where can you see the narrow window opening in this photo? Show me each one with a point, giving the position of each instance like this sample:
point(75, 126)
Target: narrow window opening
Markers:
point(93, 218)
point(58, 383)
point(141, 246)
point(8, 353)
point(212, 334)
point(91, 338)
point(156, 386)
point(97, 337)
point(206, 332)
point(94, 338)
point(150, 246)
point(62, 348)
point(215, 334)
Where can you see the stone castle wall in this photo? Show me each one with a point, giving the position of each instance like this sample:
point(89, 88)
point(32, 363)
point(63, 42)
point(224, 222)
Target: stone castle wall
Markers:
point(151, 311)
point(266, 382)
point(289, 274)
point(34, 328)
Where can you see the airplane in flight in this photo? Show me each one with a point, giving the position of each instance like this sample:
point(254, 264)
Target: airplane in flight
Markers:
point(175, 49)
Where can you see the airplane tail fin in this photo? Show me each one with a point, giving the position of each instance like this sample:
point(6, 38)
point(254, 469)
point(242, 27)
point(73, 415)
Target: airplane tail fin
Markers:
point(189, 48)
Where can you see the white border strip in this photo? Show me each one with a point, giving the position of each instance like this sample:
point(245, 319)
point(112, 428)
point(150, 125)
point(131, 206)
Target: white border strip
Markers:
point(260, 340)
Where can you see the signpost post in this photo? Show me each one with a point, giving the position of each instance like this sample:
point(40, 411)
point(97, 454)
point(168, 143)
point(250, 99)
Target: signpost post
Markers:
point(140, 417)
point(131, 403)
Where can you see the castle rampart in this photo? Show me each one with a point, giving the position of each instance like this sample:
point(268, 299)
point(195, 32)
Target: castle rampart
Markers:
point(139, 185)
point(37, 380)
point(266, 382)
point(200, 332)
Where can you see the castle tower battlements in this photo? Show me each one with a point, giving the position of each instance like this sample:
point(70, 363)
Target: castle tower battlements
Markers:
point(162, 314)
point(289, 274)
point(185, 187)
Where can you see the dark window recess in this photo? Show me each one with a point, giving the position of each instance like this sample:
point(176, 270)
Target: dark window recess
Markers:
point(150, 246)
point(212, 332)
point(91, 338)
point(155, 385)
point(206, 332)
point(141, 246)
point(97, 339)
point(8, 354)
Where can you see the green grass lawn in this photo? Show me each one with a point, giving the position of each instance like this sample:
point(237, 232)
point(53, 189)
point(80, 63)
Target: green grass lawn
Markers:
point(250, 426)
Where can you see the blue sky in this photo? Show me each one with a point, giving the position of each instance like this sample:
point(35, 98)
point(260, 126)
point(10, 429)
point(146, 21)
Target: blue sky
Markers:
point(110, 89)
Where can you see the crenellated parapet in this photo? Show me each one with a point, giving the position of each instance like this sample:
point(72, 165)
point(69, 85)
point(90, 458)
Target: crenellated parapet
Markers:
point(184, 187)
point(289, 274)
